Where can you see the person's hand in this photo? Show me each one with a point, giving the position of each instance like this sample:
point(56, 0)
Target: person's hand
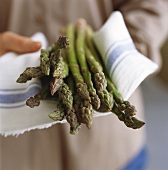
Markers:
point(10, 41)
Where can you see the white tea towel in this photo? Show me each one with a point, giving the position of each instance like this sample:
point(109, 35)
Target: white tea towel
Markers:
point(125, 65)
point(15, 116)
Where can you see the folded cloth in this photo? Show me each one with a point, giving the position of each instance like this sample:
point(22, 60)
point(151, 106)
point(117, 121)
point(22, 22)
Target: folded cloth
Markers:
point(15, 116)
point(125, 65)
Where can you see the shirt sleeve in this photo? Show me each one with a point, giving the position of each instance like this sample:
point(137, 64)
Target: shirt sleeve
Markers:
point(147, 22)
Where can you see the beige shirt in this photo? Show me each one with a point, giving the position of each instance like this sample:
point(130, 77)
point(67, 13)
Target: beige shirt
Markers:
point(109, 145)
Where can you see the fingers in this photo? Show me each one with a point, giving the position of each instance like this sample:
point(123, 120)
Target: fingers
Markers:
point(17, 43)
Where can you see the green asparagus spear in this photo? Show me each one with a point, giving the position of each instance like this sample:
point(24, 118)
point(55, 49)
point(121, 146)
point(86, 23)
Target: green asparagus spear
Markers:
point(45, 61)
point(74, 67)
point(86, 113)
point(62, 42)
point(55, 60)
point(129, 121)
point(55, 84)
point(97, 71)
point(61, 70)
point(123, 109)
point(58, 114)
point(35, 101)
point(72, 119)
point(81, 56)
point(83, 109)
point(66, 97)
point(99, 81)
point(106, 99)
point(101, 84)
point(90, 43)
point(29, 73)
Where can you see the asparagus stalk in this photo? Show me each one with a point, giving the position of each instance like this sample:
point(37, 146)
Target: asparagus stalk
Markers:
point(56, 63)
point(90, 43)
point(35, 101)
point(60, 72)
point(62, 42)
point(66, 97)
point(74, 67)
point(94, 62)
point(58, 114)
point(85, 111)
point(97, 71)
point(29, 73)
point(95, 66)
point(100, 81)
point(83, 108)
point(123, 109)
point(56, 58)
point(45, 61)
point(55, 84)
point(107, 100)
point(81, 56)
point(131, 122)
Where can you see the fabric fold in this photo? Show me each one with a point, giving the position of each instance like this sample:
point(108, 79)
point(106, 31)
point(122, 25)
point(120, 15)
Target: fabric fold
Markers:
point(126, 67)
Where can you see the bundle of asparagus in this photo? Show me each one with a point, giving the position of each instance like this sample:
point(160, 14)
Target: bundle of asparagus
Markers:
point(72, 73)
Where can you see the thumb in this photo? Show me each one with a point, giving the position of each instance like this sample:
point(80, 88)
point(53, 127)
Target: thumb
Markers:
point(19, 44)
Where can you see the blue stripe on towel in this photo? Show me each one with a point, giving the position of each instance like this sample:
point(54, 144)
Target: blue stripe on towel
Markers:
point(123, 58)
point(118, 42)
point(19, 97)
point(13, 96)
point(13, 107)
point(116, 52)
point(139, 162)
point(21, 89)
